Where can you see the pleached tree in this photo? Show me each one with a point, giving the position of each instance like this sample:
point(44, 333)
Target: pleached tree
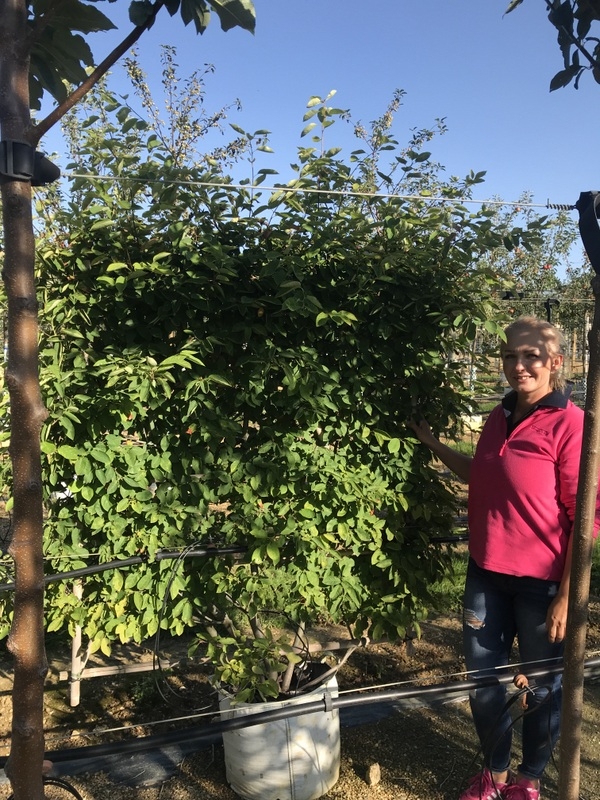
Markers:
point(43, 49)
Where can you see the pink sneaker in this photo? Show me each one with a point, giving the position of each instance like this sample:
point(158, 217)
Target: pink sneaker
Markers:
point(483, 787)
point(521, 790)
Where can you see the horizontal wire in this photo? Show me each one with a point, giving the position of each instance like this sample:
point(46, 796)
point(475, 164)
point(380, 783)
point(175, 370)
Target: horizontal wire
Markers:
point(354, 690)
point(463, 673)
point(123, 728)
point(311, 190)
point(537, 298)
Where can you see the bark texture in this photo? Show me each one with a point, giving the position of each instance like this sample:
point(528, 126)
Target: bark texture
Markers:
point(579, 589)
point(26, 641)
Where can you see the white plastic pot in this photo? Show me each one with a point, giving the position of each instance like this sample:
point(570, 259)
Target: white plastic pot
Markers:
point(296, 758)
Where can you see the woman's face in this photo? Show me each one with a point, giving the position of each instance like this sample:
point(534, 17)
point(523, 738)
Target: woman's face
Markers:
point(528, 364)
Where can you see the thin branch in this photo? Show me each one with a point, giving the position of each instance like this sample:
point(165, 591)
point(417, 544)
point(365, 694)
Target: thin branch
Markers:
point(44, 126)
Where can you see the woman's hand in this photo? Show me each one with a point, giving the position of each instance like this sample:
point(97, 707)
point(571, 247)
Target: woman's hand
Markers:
point(556, 618)
point(457, 462)
point(422, 431)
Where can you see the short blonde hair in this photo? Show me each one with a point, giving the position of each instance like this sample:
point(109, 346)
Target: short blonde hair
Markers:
point(552, 337)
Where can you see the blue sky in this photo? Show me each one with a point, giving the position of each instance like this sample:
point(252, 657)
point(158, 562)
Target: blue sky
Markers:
point(487, 74)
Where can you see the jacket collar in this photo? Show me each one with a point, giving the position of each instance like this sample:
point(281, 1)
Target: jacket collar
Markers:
point(558, 398)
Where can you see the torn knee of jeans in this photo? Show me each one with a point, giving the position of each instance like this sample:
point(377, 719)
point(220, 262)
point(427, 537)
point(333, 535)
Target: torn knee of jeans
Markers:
point(472, 620)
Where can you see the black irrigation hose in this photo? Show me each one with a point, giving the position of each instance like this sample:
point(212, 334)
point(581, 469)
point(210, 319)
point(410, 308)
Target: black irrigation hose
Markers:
point(166, 554)
point(208, 733)
point(161, 555)
point(62, 784)
point(461, 537)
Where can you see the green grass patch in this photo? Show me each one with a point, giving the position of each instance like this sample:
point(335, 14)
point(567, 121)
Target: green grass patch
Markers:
point(595, 579)
point(464, 446)
point(448, 592)
point(485, 406)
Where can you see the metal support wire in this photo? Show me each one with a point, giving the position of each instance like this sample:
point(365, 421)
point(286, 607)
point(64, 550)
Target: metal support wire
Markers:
point(287, 189)
point(208, 734)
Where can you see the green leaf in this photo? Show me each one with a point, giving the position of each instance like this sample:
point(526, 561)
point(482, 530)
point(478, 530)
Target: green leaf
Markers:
point(235, 13)
point(197, 12)
point(273, 552)
point(563, 78)
point(140, 12)
point(68, 452)
point(102, 223)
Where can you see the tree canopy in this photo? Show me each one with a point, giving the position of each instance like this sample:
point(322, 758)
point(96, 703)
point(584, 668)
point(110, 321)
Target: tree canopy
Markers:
point(235, 366)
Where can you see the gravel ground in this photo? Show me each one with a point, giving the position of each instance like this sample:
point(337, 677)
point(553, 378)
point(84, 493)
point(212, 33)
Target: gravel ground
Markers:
point(415, 754)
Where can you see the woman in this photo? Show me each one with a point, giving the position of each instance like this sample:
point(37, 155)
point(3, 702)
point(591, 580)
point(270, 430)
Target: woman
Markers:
point(522, 489)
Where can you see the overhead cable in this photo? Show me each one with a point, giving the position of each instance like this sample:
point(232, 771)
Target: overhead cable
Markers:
point(313, 190)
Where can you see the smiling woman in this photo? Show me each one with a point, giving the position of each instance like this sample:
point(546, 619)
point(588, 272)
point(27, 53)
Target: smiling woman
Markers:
point(522, 492)
point(532, 358)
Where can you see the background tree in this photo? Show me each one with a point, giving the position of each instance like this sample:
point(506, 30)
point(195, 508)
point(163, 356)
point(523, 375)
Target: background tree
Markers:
point(41, 47)
point(576, 313)
point(529, 275)
point(544, 278)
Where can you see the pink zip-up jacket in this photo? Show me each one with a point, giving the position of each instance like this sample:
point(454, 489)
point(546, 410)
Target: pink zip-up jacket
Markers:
point(522, 489)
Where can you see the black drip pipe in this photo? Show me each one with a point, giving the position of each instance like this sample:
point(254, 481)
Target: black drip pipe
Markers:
point(460, 537)
point(166, 554)
point(208, 733)
point(161, 555)
point(49, 781)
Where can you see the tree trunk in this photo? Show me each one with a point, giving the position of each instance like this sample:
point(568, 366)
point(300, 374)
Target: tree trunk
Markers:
point(26, 641)
point(579, 589)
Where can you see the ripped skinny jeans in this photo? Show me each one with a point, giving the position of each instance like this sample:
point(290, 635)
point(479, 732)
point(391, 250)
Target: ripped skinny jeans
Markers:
point(497, 609)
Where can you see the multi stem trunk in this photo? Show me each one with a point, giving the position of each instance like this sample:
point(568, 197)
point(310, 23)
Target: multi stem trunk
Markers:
point(26, 641)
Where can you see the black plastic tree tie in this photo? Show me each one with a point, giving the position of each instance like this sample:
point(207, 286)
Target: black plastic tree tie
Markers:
point(587, 205)
point(22, 162)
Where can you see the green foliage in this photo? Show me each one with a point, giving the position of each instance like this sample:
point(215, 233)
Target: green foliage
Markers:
point(577, 307)
point(251, 664)
point(186, 120)
point(573, 21)
point(595, 577)
point(449, 590)
point(60, 55)
point(224, 366)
